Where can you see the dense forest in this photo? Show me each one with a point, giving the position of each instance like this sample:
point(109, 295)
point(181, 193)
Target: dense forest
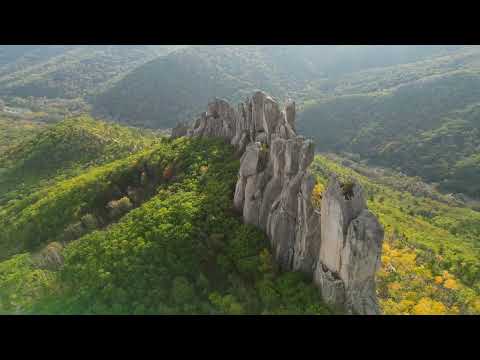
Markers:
point(430, 260)
point(99, 217)
point(69, 71)
point(176, 86)
point(148, 232)
point(429, 109)
point(14, 131)
point(127, 222)
point(383, 103)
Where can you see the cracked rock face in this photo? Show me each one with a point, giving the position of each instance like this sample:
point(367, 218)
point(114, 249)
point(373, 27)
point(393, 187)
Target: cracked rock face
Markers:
point(339, 246)
point(350, 249)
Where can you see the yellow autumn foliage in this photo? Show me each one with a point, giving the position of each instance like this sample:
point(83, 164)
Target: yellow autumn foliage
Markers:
point(391, 307)
point(454, 310)
point(405, 306)
point(475, 306)
point(450, 284)
point(427, 306)
point(447, 275)
point(317, 194)
point(408, 287)
point(401, 260)
point(394, 286)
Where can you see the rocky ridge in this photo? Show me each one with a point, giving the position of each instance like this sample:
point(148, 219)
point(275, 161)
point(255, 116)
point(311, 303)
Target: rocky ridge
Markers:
point(339, 246)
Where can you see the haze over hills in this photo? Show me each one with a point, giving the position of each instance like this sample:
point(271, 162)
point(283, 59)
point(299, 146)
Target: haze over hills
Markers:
point(69, 71)
point(382, 102)
point(427, 108)
point(174, 87)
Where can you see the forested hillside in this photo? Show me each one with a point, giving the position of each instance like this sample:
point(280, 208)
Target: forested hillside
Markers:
point(175, 87)
point(102, 218)
point(148, 228)
point(61, 71)
point(14, 131)
point(62, 151)
point(431, 252)
point(421, 118)
point(149, 231)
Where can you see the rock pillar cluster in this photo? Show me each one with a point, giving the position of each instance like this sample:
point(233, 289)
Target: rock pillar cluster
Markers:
point(339, 245)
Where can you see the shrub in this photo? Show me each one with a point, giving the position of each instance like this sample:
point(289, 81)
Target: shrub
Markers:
point(90, 222)
point(119, 207)
point(51, 256)
point(73, 231)
point(347, 189)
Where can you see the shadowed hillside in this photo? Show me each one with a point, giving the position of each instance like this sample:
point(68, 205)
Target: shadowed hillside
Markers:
point(175, 87)
point(421, 119)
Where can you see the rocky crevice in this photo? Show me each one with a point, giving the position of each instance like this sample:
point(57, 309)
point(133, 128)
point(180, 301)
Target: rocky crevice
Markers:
point(338, 246)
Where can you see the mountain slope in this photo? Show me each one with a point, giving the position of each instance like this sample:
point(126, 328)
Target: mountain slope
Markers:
point(72, 71)
point(176, 249)
point(14, 131)
point(431, 250)
point(65, 150)
point(175, 87)
point(430, 110)
point(153, 232)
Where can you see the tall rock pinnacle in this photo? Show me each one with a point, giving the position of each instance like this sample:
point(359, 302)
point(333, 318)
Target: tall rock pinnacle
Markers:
point(338, 245)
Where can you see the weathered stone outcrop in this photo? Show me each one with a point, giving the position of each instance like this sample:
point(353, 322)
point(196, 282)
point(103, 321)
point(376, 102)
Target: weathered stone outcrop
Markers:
point(351, 247)
point(339, 245)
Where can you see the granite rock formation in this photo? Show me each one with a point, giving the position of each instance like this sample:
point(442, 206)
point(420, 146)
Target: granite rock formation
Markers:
point(339, 246)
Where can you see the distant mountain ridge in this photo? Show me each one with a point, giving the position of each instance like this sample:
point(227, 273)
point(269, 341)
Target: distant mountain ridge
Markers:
point(175, 87)
point(69, 71)
point(422, 118)
point(378, 101)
